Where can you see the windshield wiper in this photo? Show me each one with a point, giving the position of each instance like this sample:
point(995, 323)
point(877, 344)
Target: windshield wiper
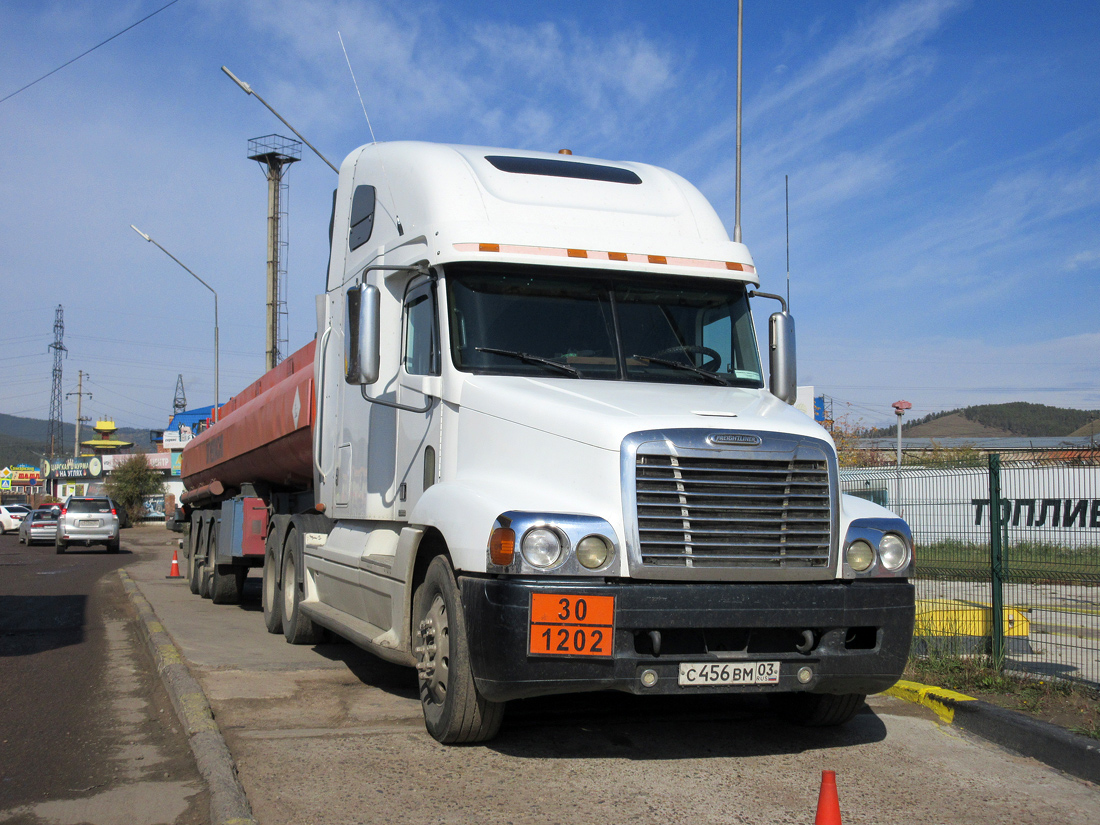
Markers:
point(678, 365)
point(527, 358)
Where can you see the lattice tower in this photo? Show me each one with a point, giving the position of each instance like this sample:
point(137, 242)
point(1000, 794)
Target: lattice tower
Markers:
point(179, 403)
point(55, 439)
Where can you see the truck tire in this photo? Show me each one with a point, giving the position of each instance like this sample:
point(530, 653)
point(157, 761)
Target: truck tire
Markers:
point(272, 595)
point(817, 710)
point(226, 583)
point(206, 573)
point(298, 628)
point(454, 711)
point(194, 566)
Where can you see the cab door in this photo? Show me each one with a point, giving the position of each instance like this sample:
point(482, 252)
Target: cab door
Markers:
point(419, 385)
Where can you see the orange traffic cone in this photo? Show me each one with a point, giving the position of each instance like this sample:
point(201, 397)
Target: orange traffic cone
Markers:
point(828, 805)
point(174, 572)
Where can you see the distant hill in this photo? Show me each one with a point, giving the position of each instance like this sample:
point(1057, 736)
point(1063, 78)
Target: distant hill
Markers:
point(1089, 430)
point(23, 440)
point(1017, 418)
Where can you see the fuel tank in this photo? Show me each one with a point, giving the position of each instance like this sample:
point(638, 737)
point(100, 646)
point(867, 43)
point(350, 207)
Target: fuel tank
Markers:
point(263, 434)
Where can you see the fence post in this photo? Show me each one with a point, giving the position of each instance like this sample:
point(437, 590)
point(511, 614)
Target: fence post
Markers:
point(996, 562)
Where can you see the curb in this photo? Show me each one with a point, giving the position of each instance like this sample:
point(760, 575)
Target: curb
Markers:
point(228, 803)
point(1057, 747)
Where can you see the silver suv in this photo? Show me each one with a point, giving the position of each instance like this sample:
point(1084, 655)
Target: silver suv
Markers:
point(87, 520)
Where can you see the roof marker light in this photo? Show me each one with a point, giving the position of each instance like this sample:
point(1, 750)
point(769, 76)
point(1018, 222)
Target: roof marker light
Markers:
point(601, 255)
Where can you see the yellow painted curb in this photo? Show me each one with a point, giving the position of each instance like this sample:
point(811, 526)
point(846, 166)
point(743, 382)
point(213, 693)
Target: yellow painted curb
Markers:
point(936, 699)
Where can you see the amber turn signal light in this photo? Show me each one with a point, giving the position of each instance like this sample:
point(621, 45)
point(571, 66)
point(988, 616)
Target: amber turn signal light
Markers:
point(502, 546)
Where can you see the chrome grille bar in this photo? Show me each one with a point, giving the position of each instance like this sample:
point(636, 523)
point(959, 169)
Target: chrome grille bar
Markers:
point(733, 512)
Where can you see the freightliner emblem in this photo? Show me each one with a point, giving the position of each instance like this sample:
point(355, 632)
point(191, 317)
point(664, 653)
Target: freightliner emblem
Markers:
point(740, 439)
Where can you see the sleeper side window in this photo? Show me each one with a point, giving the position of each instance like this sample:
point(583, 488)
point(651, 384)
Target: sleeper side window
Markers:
point(362, 216)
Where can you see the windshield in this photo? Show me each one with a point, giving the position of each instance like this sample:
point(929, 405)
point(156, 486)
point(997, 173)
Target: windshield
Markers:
point(599, 326)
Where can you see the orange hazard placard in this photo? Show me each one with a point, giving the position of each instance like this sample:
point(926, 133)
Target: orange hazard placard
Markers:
point(571, 624)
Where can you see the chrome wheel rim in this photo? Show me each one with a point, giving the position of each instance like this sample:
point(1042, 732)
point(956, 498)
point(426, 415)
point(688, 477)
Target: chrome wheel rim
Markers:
point(434, 652)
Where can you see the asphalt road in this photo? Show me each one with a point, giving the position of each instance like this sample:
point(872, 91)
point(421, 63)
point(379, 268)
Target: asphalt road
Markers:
point(87, 733)
point(330, 734)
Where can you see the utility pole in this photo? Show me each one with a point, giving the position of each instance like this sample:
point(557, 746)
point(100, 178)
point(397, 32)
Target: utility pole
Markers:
point(899, 409)
point(275, 154)
point(79, 397)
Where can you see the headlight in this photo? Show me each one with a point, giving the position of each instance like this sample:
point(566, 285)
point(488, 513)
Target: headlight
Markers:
point(541, 547)
point(593, 552)
point(893, 551)
point(860, 556)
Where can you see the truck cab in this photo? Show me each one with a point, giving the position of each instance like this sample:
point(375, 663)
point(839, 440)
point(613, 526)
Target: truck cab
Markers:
point(551, 462)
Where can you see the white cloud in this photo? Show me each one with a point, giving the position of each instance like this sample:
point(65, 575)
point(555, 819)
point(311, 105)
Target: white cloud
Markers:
point(1087, 260)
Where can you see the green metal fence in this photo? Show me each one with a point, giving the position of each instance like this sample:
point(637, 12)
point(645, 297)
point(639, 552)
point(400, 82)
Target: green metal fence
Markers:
point(1007, 557)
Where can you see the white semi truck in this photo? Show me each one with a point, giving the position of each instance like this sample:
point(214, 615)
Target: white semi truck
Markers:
point(531, 451)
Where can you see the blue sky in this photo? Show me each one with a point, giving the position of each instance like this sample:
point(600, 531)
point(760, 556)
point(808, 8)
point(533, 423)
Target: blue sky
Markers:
point(944, 164)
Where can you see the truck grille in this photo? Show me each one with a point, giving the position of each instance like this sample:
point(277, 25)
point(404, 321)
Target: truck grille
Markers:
point(709, 512)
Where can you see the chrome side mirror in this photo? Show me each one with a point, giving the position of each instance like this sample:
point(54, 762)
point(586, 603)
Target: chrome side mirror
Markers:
point(362, 353)
point(783, 379)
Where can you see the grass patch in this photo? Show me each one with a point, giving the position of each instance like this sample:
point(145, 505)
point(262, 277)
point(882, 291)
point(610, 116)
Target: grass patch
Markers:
point(1074, 707)
point(1026, 562)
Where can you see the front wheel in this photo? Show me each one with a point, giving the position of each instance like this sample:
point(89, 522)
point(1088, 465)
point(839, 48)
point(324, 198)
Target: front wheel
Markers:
point(454, 711)
point(817, 710)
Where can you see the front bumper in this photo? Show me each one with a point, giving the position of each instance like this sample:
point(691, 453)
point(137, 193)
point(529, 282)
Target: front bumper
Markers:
point(860, 634)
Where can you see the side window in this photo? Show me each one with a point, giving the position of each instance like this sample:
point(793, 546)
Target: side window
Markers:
point(362, 216)
point(718, 335)
point(421, 336)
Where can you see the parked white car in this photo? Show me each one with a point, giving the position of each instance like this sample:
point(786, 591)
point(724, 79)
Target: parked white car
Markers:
point(11, 516)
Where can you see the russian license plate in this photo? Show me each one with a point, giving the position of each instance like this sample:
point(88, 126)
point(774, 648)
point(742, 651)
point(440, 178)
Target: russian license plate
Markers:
point(696, 674)
point(571, 624)
point(88, 522)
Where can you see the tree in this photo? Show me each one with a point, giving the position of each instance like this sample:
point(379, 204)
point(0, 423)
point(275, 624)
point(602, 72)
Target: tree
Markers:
point(131, 481)
point(846, 435)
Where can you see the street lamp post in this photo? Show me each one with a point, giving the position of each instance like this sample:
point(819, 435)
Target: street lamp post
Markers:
point(205, 284)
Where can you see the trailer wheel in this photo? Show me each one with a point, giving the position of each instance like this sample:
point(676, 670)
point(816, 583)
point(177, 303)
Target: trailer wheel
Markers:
point(226, 582)
point(205, 573)
point(194, 569)
point(454, 711)
point(272, 595)
point(817, 710)
point(298, 628)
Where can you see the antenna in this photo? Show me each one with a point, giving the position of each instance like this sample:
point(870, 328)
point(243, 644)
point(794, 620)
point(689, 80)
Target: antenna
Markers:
point(787, 213)
point(737, 199)
point(356, 82)
point(385, 175)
